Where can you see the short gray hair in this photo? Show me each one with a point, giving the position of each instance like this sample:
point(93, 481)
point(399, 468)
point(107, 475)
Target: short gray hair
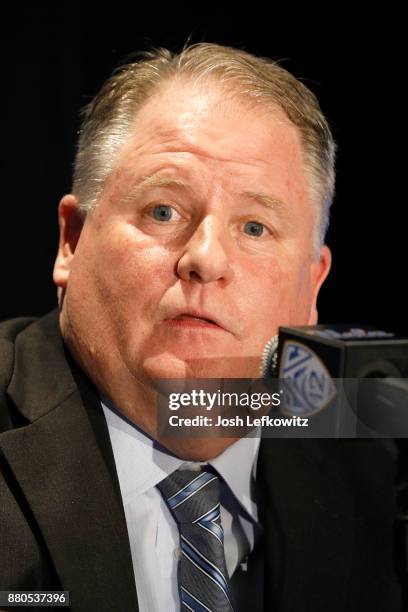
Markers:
point(107, 120)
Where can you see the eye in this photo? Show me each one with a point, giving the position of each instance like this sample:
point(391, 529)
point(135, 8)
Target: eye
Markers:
point(253, 228)
point(163, 212)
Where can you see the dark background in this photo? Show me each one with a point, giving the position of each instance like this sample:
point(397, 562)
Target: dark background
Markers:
point(53, 64)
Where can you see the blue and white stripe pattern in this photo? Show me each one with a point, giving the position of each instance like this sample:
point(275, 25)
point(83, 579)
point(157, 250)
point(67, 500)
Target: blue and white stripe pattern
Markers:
point(193, 498)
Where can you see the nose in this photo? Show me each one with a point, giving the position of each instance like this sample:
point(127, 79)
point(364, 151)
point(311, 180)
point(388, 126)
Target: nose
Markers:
point(205, 258)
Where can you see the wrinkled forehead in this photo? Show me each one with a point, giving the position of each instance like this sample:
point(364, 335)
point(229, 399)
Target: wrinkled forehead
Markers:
point(215, 124)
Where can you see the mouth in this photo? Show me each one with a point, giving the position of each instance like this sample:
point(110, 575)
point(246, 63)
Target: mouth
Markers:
point(193, 320)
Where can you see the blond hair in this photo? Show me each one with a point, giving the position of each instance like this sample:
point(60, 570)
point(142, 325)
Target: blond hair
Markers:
point(107, 120)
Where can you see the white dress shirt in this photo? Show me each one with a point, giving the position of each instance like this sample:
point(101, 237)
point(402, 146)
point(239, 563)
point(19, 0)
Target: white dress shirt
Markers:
point(153, 533)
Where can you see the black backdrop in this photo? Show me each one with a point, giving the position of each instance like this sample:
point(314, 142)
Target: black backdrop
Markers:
point(53, 64)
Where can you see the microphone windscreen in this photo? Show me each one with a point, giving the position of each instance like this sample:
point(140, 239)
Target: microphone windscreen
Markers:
point(269, 360)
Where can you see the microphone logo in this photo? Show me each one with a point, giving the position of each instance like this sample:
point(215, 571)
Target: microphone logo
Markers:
point(308, 386)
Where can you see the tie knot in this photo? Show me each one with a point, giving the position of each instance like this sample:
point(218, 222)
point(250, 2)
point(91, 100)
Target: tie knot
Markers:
point(192, 495)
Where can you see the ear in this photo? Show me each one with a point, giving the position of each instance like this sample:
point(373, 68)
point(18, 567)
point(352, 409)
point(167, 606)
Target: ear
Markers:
point(70, 224)
point(318, 274)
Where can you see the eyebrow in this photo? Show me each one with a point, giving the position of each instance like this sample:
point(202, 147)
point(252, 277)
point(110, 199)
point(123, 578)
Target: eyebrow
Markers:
point(272, 203)
point(277, 205)
point(156, 181)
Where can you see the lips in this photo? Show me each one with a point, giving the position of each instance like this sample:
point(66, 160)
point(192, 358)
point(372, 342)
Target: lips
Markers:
point(187, 319)
point(193, 318)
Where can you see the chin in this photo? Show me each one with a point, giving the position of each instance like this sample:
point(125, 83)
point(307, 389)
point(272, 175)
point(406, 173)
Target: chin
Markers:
point(165, 365)
point(169, 365)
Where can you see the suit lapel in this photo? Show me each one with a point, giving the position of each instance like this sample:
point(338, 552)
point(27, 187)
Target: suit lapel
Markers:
point(65, 468)
point(307, 513)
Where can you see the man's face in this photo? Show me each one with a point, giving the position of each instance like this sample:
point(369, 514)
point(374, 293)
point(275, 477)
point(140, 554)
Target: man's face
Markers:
point(199, 248)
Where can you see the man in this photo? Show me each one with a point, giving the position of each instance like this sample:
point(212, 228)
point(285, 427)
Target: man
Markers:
point(195, 228)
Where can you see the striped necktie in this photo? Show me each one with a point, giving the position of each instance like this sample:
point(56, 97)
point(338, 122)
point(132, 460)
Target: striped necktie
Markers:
point(194, 500)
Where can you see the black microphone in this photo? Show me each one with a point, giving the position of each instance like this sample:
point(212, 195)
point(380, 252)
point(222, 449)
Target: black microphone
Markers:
point(352, 379)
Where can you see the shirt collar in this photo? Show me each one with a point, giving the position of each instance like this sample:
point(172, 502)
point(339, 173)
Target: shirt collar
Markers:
point(142, 463)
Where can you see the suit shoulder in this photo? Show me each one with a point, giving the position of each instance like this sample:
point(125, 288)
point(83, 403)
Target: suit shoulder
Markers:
point(9, 330)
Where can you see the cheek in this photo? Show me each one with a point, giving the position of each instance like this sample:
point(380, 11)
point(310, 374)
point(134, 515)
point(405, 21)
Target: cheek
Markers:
point(302, 297)
point(141, 268)
point(117, 281)
point(279, 295)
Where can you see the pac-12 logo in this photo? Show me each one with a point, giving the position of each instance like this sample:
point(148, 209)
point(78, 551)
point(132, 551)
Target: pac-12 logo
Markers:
point(307, 383)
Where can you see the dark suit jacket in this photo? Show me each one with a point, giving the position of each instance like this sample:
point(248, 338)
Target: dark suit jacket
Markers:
point(327, 505)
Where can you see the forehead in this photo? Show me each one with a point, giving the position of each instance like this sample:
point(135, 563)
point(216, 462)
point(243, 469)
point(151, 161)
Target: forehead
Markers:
point(201, 129)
